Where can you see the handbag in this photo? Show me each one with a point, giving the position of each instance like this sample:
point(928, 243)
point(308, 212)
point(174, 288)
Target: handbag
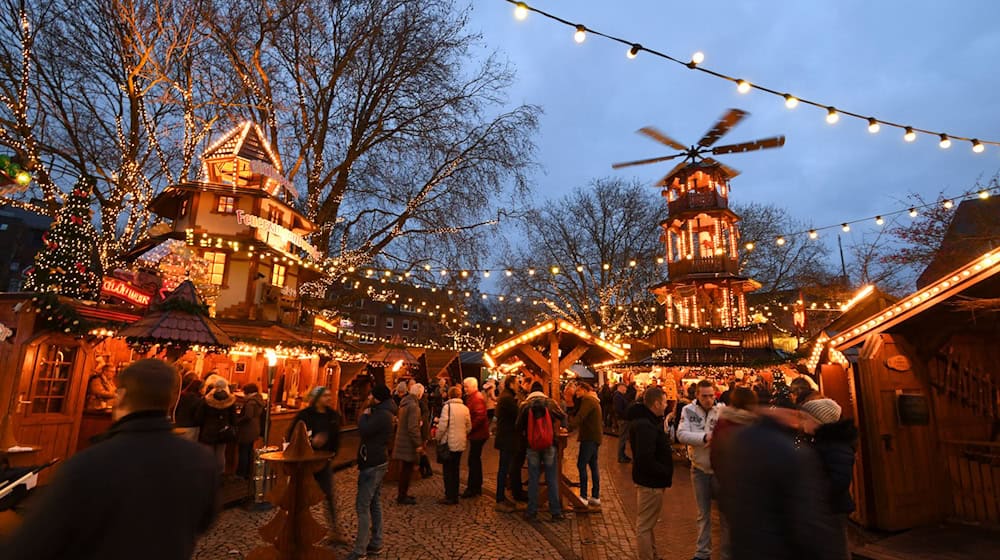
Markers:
point(443, 452)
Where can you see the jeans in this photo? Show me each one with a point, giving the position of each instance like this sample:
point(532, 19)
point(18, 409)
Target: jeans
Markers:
point(706, 488)
point(244, 467)
point(622, 439)
point(369, 508)
point(324, 479)
point(535, 459)
point(475, 482)
point(588, 458)
point(649, 502)
point(504, 470)
point(450, 475)
point(516, 466)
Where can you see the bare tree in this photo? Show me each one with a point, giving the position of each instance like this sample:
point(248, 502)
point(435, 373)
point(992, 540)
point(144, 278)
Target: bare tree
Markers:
point(591, 257)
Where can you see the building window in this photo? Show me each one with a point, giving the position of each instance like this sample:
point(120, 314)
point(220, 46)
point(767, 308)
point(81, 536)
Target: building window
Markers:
point(406, 325)
point(389, 322)
point(275, 215)
point(414, 325)
point(216, 266)
point(278, 275)
point(366, 338)
point(226, 205)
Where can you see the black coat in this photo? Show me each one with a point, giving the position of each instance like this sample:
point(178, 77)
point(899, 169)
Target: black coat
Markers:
point(186, 413)
point(141, 492)
point(773, 496)
point(652, 462)
point(218, 425)
point(319, 423)
point(506, 414)
point(375, 429)
point(835, 444)
point(250, 422)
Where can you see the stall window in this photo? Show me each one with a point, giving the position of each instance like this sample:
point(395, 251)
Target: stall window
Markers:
point(51, 379)
point(216, 266)
point(389, 322)
point(226, 205)
point(278, 275)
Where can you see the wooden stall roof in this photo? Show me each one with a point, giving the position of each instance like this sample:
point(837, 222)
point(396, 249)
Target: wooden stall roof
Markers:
point(437, 361)
point(949, 285)
point(350, 370)
point(598, 351)
point(264, 333)
point(177, 325)
point(973, 230)
point(392, 352)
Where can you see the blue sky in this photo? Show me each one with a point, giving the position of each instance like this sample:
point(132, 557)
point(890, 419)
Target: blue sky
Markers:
point(929, 64)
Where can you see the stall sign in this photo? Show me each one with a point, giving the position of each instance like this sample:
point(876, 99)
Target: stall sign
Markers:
point(279, 235)
point(125, 291)
point(269, 171)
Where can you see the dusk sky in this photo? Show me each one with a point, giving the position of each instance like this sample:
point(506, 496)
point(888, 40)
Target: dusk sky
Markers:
point(928, 64)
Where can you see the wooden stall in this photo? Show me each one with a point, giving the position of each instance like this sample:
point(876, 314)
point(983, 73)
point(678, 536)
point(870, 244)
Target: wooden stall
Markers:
point(923, 384)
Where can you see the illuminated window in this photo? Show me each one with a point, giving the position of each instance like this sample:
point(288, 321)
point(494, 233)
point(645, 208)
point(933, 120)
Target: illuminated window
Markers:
point(216, 266)
point(278, 276)
point(227, 205)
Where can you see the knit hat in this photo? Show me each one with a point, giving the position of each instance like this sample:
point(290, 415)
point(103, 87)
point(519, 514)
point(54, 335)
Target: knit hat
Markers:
point(825, 411)
point(381, 393)
point(315, 393)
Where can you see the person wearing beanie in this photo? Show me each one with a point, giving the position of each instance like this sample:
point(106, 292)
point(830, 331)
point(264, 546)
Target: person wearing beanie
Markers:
point(375, 430)
point(835, 441)
point(323, 426)
point(217, 420)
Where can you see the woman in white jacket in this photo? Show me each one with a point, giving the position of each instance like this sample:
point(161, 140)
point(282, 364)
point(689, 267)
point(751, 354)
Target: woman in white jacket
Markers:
point(453, 428)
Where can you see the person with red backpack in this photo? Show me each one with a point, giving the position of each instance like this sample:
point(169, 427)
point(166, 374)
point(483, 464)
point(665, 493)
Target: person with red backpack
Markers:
point(538, 422)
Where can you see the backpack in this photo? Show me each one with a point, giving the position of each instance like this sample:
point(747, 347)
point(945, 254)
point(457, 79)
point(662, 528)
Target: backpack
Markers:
point(540, 435)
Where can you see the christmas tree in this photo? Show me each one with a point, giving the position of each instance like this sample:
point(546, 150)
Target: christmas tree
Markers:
point(67, 265)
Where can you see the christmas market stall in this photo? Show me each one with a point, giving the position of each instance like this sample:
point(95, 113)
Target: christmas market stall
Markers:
point(924, 389)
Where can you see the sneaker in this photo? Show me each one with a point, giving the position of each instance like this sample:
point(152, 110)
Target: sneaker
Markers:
point(503, 507)
point(594, 502)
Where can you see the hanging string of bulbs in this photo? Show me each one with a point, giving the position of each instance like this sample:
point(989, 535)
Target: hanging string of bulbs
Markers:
point(833, 114)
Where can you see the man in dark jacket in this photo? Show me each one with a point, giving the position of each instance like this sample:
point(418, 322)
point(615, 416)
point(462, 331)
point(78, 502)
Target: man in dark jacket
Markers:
point(248, 427)
point(835, 442)
point(774, 498)
point(323, 424)
point(621, 403)
point(506, 443)
point(653, 466)
point(141, 492)
point(375, 429)
point(589, 423)
point(186, 411)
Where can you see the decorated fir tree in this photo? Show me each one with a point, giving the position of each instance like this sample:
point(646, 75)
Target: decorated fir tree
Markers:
point(67, 264)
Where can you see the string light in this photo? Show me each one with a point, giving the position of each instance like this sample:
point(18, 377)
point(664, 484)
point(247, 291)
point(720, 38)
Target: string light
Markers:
point(984, 194)
point(813, 234)
point(977, 146)
point(743, 86)
point(846, 227)
point(945, 142)
point(913, 212)
point(791, 101)
point(879, 220)
point(780, 241)
point(581, 34)
point(749, 246)
point(948, 203)
point(831, 115)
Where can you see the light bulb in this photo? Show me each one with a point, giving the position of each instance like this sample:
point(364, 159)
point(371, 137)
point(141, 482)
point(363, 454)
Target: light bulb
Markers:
point(698, 57)
point(845, 227)
point(780, 241)
point(948, 203)
point(910, 136)
point(873, 126)
point(750, 246)
point(581, 34)
point(984, 194)
point(813, 234)
point(832, 115)
point(879, 220)
point(791, 101)
point(913, 212)
point(555, 270)
point(579, 268)
point(977, 146)
point(520, 11)
point(486, 274)
point(606, 266)
point(742, 86)
point(531, 272)
point(633, 51)
point(508, 272)
point(945, 142)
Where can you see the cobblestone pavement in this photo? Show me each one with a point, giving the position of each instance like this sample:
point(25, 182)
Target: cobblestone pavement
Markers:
point(472, 530)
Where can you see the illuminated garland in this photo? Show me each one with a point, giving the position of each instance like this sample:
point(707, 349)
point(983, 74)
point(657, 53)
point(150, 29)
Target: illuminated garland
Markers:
point(832, 114)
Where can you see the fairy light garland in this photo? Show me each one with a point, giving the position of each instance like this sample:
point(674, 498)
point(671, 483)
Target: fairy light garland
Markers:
point(743, 86)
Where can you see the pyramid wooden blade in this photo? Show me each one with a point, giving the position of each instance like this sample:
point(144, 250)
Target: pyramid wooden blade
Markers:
point(762, 144)
point(729, 171)
point(644, 161)
point(665, 181)
point(662, 138)
point(728, 121)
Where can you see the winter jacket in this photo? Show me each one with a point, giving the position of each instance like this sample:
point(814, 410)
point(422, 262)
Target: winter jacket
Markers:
point(425, 418)
point(621, 403)
point(696, 423)
point(588, 419)
point(408, 431)
point(506, 415)
point(249, 423)
point(536, 399)
point(835, 444)
point(480, 421)
point(319, 423)
point(454, 425)
point(731, 421)
point(652, 464)
point(186, 413)
point(772, 495)
point(375, 429)
point(217, 418)
point(140, 492)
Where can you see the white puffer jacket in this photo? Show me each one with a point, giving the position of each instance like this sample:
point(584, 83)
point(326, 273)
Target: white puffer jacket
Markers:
point(695, 424)
point(454, 425)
